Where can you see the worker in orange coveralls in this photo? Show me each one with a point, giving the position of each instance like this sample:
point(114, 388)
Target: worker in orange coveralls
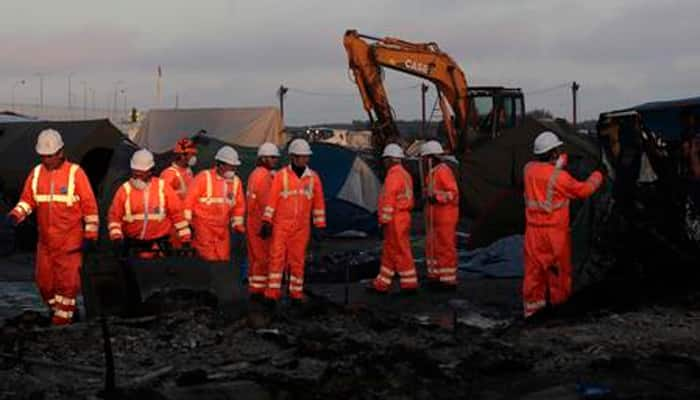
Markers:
point(259, 183)
point(215, 204)
point(179, 175)
point(394, 208)
point(67, 217)
point(145, 208)
point(295, 196)
point(548, 189)
point(441, 215)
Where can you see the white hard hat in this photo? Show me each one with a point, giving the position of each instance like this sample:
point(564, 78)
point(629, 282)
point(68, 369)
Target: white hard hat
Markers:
point(431, 148)
point(268, 150)
point(300, 147)
point(142, 160)
point(545, 142)
point(49, 142)
point(393, 150)
point(228, 155)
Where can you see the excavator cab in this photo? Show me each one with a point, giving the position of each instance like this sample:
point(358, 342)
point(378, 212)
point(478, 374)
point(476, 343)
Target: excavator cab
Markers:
point(495, 108)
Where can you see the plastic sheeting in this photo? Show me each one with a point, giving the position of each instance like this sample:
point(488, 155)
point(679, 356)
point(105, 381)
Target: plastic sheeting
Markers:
point(247, 127)
point(501, 259)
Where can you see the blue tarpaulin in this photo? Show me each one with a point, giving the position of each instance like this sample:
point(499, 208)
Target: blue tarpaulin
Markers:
point(502, 259)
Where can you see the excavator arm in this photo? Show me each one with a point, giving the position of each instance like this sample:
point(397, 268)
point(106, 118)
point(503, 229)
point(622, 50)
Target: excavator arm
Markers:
point(424, 60)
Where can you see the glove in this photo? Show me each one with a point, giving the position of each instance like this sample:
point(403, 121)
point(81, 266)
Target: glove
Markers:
point(432, 199)
point(88, 245)
point(118, 247)
point(265, 230)
point(186, 246)
point(11, 219)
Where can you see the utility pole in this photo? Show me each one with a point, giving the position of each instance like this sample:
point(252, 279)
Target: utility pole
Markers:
point(574, 90)
point(125, 115)
point(281, 92)
point(423, 91)
point(177, 100)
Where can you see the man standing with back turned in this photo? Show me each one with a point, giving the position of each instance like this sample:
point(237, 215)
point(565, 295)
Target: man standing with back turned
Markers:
point(548, 189)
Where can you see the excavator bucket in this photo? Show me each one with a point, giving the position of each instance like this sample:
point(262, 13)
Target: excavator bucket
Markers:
point(134, 285)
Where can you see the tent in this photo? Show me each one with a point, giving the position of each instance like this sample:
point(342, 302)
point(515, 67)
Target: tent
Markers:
point(247, 127)
point(492, 178)
point(661, 117)
point(350, 188)
point(89, 143)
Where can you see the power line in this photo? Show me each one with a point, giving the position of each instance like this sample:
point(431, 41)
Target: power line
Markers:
point(338, 94)
point(548, 89)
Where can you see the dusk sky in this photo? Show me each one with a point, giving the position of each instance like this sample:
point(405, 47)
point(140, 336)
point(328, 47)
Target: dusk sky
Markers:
point(236, 53)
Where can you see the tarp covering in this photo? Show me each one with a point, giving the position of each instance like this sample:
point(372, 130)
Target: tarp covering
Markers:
point(501, 259)
point(89, 143)
point(350, 188)
point(663, 117)
point(492, 178)
point(247, 127)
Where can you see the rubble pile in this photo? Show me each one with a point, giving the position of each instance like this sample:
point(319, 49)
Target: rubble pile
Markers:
point(321, 350)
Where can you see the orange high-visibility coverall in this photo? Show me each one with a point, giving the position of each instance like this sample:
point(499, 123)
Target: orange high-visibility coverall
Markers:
point(215, 205)
point(394, 208)
point(290, 204)
point(259, 183)
point(547, 247)
point(64, 202)
point(179, 179)
point(441, 220)
point(147, 214)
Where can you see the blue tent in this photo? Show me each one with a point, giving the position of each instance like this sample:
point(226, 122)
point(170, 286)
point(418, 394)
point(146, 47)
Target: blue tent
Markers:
point(350, 188)
point(664, 117)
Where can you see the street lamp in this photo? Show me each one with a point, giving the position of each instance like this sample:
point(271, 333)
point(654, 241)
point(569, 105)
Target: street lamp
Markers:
point(116, 91)
point(70, 95)
point(14, 86)
point(41, 89)
point(84, 99)
point(123, 91)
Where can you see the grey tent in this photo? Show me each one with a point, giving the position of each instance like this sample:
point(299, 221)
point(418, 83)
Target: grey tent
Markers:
point(246, 127)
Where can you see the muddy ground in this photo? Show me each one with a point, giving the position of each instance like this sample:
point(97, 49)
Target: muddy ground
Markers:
point(469, 344)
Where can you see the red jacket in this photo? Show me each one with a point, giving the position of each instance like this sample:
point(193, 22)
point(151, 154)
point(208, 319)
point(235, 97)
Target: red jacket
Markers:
point(548, 190)
point(63, 201)
point(147, 214)
point(396, 195)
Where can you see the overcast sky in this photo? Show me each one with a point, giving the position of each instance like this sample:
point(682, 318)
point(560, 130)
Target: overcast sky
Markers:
point(236, 53)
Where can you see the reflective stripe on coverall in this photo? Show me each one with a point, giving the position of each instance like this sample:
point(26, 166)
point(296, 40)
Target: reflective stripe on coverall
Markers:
point(441, 220)
point(180, 179)
point(64, 203)
point(394, 208)
point(290, 205)
point(215, 205)
point(147, 214)
point(259, 183)
point(547, 247)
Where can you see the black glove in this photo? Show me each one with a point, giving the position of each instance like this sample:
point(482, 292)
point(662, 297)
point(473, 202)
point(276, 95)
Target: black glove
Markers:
point(89, 245)
point(11, 220)
point(265, 230)
point(118, 247)
point(432, 199)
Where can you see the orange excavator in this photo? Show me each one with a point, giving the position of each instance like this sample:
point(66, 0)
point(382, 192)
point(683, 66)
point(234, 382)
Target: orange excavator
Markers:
point(482, 110)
